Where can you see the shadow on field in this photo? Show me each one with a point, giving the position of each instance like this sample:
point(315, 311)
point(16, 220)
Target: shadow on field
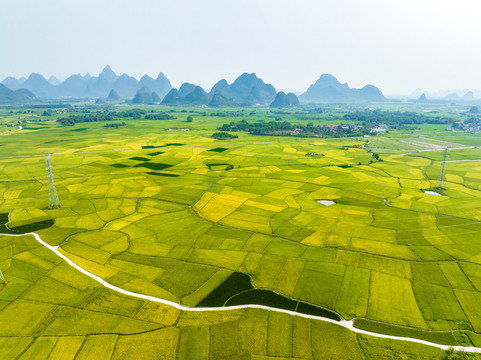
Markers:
point(237, 289)
point(40, 225)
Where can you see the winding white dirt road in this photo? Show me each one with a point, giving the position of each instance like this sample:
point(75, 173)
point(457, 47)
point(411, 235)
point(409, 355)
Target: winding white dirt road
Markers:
point(344, 323)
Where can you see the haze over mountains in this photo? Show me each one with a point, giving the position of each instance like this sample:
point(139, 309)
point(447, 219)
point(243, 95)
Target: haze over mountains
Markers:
point(328, 89)
point(461, 95)
point(246, 90)
point(284, 100)
point(78, 86)
point(20, 96)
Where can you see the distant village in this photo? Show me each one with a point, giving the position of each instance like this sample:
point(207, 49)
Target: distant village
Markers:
point(381, 128)
point(469, 127)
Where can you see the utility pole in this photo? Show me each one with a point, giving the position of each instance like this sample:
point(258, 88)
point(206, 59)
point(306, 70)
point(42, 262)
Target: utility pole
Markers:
point(441, 183)
point(53, 201)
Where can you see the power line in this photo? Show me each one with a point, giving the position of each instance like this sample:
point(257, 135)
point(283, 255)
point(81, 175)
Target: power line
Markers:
point(53, 201)
point(441, 183)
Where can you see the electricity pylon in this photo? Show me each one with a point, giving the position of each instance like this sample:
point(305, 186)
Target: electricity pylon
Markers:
point(53, 201)
point(441, 183)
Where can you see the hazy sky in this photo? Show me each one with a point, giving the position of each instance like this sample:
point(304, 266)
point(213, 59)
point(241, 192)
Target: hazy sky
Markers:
point(398, 45)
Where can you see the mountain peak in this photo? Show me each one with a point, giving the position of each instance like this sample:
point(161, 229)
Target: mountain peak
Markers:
point(172, 98)
point(327, 80)
point(107, 69)
point(247, 89)
point(284, 100)
point(7, 96)
point(107, 74)
point(186, 89)
point(247, 78)
point(113, 96)
point(54, 81)
point(145, 89)
point(223, 87)
point(161, 76)
point(12, 83)
point(36, 76)
point(161, 85)
point(146, 78)
point(249, 75)
point(328, 89)
point(222, 82)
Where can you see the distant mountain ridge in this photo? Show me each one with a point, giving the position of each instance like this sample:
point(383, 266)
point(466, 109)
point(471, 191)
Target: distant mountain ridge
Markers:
point(88, 86)
point(284, 100)
point(146, 96)
point(327, 89)
point(19, 96)
point(459, 95)
point(245, 90)
point(187, 95)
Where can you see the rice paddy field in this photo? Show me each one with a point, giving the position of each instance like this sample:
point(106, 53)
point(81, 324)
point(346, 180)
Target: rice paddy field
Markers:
point(162, 209)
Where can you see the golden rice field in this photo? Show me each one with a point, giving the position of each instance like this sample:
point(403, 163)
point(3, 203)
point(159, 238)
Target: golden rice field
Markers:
point(173, 214)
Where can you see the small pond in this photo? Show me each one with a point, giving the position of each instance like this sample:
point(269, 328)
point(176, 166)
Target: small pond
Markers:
point(326, 202)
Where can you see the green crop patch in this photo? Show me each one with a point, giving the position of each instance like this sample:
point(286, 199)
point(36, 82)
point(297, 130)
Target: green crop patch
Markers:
point(305, 308)
point(211, 164)
point(263, 297)
point(272, 299)
point(237, 289)
point(156, 153)
point(154, 166)
point(236, 283)
point(162, 174)
point(359, 200)
point(120, 166)
point(437, 337)
point(218, 149)
point(172, 144)
point(23, 229)
point(140, 158)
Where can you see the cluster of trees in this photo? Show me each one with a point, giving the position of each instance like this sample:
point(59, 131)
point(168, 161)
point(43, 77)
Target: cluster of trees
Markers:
point(115, 125)
point(395, 119)
point(231, 113)
point(51, 106)
point(257, 128)
point(132, 113)
point(159, 116)
point(223, 135)
point(93, 117)
point(286, 128)
point(87, 116)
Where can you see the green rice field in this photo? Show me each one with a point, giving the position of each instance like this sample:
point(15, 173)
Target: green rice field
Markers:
point(174, 214)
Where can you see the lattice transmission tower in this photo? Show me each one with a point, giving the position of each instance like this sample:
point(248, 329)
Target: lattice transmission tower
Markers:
point(53, 201)
point(441, 183)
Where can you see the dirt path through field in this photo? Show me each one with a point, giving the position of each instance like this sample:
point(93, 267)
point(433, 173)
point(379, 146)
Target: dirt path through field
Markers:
point(348, 324)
